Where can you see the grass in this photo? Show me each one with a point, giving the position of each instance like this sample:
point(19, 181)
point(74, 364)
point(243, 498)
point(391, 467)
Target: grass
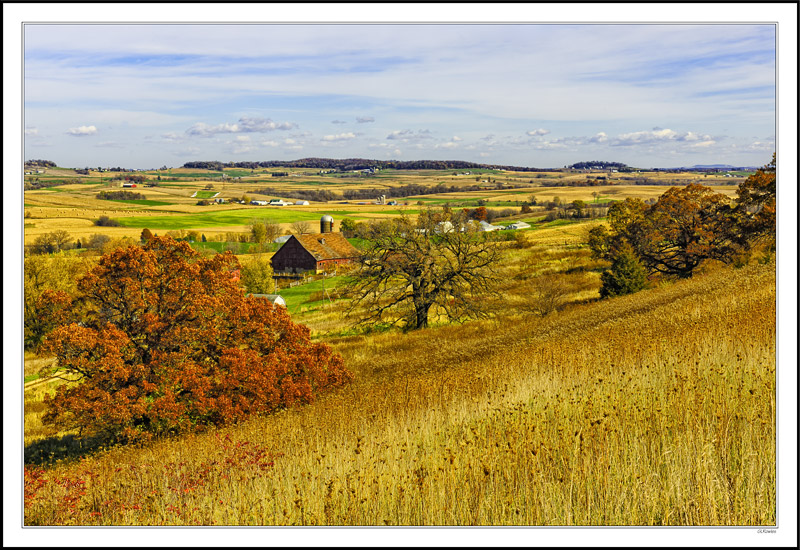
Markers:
point(243, 216)
point(651, 409)
point(301, 295)
point(205, 194)
point(219, 218)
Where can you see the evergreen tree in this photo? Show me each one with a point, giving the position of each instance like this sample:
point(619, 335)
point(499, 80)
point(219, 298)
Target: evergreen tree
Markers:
point(626, 276)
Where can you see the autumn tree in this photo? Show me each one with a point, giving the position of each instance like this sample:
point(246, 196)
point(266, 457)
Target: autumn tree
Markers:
point(264, 231)
point(349, 227)
point(256, 275)
point(756, 197)
point(48, 243)
point(674, 235)
point(168, 342)
point(48, 280)
point(411, 269)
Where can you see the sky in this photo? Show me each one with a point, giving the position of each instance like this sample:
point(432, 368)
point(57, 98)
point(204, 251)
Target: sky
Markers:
point(538, 95)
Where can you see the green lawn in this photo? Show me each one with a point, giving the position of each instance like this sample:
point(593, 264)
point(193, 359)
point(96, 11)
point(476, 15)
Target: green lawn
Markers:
point(299, 295)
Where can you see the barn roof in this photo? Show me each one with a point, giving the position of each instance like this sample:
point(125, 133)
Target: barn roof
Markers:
point(327, 246)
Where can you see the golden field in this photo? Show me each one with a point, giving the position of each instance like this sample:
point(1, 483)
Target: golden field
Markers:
point(651, 409)
point(655, 409)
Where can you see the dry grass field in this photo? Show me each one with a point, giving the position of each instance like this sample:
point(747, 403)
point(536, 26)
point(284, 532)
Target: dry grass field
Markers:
point(651, 409)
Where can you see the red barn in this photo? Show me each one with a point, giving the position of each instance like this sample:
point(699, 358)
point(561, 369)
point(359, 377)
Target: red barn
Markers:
point(315, 252)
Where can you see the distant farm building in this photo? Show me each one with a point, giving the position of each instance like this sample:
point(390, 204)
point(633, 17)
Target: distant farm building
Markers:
point(259, 203)
point(486, 226)
point(276, 299)
point(314, 252)
point(518, 225)
point(279, 202)
point(302, 203)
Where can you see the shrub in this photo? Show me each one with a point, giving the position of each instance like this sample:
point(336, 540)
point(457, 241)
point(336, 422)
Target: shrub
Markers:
point(626, 276)
point(105, 221)
point(120, 196)
point(169, 343)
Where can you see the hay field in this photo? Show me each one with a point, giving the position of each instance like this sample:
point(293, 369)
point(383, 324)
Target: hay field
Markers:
point(651, 409)
point(74, 207)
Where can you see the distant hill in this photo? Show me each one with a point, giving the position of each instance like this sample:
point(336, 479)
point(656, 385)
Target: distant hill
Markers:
point(712, 166)
point(345, 165)
point(599, 165)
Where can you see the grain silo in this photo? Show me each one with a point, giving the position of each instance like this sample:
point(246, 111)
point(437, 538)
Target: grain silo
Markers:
point(326, 224)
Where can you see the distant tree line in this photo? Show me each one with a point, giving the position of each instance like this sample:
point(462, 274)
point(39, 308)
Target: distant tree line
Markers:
point(131, 179)
point(30, 185)
point(323, 195)
point(599, 165)
point(40, 162)
point(356, 164)
point(119, 196)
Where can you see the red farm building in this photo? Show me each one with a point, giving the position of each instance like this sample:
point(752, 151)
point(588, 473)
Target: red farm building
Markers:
point(315, 252)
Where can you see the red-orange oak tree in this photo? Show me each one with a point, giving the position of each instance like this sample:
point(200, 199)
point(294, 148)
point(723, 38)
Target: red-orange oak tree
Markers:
point(167, 342)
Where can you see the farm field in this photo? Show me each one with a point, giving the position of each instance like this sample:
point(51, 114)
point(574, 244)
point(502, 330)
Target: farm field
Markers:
point(651, 409)
point(73, 206)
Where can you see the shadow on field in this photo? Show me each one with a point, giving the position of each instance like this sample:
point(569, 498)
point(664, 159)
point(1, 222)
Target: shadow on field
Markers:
point(66, 447)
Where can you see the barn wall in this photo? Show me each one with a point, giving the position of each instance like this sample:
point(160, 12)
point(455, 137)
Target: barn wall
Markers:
point(293, 257)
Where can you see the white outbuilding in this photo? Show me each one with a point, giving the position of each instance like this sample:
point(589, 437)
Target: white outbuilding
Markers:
point(518, 225)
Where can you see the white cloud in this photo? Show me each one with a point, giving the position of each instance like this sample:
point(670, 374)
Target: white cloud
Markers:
point(244, 125)
point(339, 137)
point(173, 137)
point(364, 119)
point(410, 135)
point(658, 135)
point(81, 131)
point(537, 133)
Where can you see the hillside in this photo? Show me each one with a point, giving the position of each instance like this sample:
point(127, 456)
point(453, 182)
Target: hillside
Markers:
point(651, 409)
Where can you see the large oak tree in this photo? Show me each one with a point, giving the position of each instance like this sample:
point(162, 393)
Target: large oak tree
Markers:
point(167, 342)
point(439, 263)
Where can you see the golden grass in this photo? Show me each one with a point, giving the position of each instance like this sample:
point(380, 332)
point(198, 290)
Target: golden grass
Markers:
point(652, 409)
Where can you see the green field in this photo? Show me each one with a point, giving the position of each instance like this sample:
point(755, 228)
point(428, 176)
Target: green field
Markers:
point(205, 194)
point(223, 218)
point(299, 295)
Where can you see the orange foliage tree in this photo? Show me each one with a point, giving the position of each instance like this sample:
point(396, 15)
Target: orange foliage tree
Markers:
point(167, 342)
point(756, 205)
point(673, 236)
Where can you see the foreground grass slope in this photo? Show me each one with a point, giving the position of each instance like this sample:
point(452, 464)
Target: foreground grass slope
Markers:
point(651, 409)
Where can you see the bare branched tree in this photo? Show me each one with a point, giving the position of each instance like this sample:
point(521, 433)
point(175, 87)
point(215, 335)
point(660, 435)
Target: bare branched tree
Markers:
point(300, 227)
point(441, 263)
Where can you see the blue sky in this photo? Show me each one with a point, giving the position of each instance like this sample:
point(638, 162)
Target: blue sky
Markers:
point(648, 95)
